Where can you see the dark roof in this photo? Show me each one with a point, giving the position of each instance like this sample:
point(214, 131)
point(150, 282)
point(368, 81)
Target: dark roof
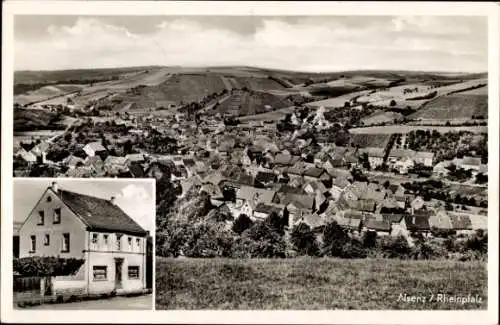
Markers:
point(285, 188)
point(100, 214)
point(392, 218)
point(265, 177)
point(136, 170)
point(188, 162)
point(314, 172)
point(266, 208)
point(379, 225)
point(417, 222)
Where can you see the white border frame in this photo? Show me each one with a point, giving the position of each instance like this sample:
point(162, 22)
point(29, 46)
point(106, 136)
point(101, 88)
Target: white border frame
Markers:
point(7, 296)
point(490, 10)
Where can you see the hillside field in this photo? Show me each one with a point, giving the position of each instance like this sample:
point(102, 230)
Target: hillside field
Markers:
point(456, 106)
point(315, 283)
point(389, 129)
point(242, 103)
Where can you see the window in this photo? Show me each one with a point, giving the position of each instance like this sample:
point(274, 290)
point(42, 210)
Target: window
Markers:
point(100, 273)
point(49, 199)
point(65, 243)
point(47, 240)
point(41, 218)
point(105, 239)
point(133, 272)
point(138, 242)
point(95, 238)
point(118, 242)
point(129, 243)
point(57, 215)
point(33, 244)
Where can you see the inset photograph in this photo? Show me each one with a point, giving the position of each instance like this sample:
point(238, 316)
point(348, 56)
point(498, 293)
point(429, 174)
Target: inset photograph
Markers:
point(83, 243)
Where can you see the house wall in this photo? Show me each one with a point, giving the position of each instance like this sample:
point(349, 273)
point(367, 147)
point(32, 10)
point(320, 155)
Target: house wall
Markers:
point(375, 161)
point(108, 259)
point(70, 223)
point(260, 215)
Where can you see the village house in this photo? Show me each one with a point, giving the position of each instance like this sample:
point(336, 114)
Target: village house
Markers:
point(72, 225)
point(469, 163)
point(375, 155)
point(93, 148)
point(381, 227)
point(263, 210)
point(424, 158)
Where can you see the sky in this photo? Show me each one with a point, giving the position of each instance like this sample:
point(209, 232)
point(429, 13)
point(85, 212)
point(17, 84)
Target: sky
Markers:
point(305, 43)
point(134, 198)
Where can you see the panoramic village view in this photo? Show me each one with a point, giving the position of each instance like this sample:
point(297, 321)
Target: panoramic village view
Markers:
point(278, 188)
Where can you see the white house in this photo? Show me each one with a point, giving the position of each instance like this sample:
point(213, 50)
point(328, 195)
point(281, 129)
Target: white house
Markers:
point(93, 148)
point(73, 225)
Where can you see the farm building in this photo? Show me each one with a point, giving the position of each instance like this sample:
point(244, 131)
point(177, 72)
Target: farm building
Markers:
point(375, 155)
point(72, 225)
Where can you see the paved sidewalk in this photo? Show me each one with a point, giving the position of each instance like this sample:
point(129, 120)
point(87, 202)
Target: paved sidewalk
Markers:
point(115, 303)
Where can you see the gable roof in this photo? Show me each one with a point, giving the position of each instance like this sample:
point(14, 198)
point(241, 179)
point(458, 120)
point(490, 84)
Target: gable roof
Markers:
point(300, 201)
point(417, 222)
point(470, 161)
point(288, 160)
point(378, 225)
point(267, 208)
point(460, 222)
point(100, 214)
point(265, 177)
point(95, 146)
point(249, 193)
point(314, 172)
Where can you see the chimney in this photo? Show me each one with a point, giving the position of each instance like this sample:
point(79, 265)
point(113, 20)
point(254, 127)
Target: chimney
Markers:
point(112, 200)
point(55, 187)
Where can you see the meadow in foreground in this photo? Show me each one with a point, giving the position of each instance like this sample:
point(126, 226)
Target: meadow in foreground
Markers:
point(316, 283)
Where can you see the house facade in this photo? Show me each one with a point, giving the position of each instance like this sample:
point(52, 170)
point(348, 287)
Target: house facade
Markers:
point(72, 225)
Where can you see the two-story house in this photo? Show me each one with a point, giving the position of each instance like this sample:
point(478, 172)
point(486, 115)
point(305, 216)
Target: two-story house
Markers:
point(73, 225)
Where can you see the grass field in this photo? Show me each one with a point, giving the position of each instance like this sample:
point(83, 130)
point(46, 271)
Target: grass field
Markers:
point(456, 106)
point(308, 283)
point(243, 103)
point(374, 140)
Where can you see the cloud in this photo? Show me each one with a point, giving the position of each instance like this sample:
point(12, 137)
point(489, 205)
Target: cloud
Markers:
point(307, 43)
point(138, 204)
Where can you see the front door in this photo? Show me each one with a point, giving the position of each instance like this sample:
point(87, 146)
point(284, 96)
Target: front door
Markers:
point(118, 272)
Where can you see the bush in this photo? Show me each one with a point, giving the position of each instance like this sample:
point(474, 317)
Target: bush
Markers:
point(370, 239)
point(242, 223)
point(261, 240)
point(396, 247)
point(304, 240)
point(208, 240)
point(47, 266)
point(337, 243)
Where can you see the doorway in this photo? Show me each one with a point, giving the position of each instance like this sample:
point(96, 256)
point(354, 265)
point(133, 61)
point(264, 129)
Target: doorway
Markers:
point(118, 273)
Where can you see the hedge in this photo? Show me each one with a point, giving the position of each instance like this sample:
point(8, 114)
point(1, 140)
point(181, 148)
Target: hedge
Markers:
point(47, 266)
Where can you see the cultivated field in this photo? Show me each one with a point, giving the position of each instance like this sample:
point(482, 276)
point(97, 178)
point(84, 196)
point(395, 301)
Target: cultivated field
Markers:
point(338, 101)
point(457, 106)
point(407, 128)
point(314, 284)
point(374, 140)
point(243, 103)
point(381, 117)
